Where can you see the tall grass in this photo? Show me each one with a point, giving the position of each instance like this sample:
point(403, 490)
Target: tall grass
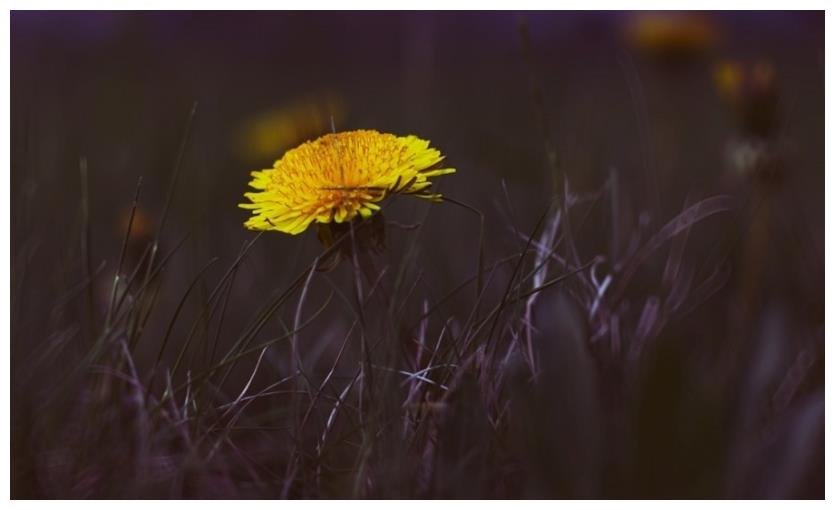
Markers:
point(368, 386)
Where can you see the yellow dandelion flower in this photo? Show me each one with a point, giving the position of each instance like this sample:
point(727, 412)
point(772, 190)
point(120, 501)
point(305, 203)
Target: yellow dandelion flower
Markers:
point(671, 34)
point(339, 176)
point(283, 128)
point(728, 76)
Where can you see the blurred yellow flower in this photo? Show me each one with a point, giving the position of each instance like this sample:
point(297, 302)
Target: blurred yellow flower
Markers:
point(750, 90)
point(735, 79)
point(728, 76)
point(282, 128)
point(671, 34)
point(339, 176)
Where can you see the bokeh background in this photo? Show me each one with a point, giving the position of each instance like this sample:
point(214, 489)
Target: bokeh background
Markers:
point(637, 115)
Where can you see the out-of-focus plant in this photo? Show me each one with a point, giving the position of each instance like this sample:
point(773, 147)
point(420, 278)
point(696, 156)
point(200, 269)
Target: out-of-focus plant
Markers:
point(284, 127)
point(671, 36)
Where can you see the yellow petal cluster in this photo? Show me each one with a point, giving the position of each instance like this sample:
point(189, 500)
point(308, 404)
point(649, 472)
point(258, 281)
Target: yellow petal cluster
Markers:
point(339, 176)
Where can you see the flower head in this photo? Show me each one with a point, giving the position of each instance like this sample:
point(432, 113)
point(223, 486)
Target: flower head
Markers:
point(750, 89)
point(283, 128)
point(671, 36)
point(339, 176)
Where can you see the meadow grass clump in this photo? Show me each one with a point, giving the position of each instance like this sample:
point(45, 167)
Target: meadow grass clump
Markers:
point(357, 382)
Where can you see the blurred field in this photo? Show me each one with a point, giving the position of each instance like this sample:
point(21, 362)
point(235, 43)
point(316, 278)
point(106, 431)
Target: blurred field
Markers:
point(641, 315)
